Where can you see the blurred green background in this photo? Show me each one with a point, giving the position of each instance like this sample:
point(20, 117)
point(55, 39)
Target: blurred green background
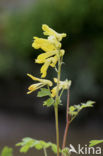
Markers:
point(82, 20)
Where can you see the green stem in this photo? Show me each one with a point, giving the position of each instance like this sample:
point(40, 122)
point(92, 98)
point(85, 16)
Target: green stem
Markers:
point(74, 117)
point(58, 79)
point(45, 152)
point(57, 129)
point(61, 93)
point(56, 105)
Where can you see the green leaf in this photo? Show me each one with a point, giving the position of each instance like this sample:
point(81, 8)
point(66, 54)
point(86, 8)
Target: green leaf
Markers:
point(87, 104)
point(65, 151)
point(7, 151)
point(28, 143)
point(45, 144)
point(38, 145)
point(95, 142)
point(24, 141)
point(44, 92)
point(54, 148)
point(27, 139)
point(27, 146)
point(49, 102)
point(74, 110)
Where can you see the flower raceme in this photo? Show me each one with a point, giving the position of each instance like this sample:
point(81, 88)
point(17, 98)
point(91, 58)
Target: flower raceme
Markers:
point(62, 85)
point(51, 47)
point(42, 83)
point(51, 55)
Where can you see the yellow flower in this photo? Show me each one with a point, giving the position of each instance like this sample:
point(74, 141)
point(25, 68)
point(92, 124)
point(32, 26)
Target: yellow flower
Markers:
point(52, 48)
point(42, 57)
point(54, 61)
point(54, 91)
point(49, 59)
point(44, 44)
point(55, 42)
point(62, 85)
point(42, 83)
point(44, 68)
point(48, 62)
point(50, 32)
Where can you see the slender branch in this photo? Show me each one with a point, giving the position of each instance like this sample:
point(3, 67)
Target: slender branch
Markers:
point(74, 117)
point(67, 122)
point(65, 135)
point(67, 110)
point(61, 93)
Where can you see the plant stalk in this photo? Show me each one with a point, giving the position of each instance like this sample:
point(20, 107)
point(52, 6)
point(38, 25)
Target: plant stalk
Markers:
point(67, 122)
point(57, 129)
point(56, 104)
point(45, 152)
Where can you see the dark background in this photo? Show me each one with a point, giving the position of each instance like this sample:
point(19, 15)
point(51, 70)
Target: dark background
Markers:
point(23, 115)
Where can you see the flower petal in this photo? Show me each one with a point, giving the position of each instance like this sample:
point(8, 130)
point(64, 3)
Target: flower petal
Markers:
point(45, 67)
point(54, 91)
point(41, 58)
point(43, 81)
point(54, 61)
point(44, 44)
point(62, 85)
point(55, 80)
point(50, 32)
point(33, 77)
point(34, 87)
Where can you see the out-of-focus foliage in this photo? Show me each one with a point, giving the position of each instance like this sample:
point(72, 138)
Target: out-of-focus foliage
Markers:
point(28, 143)
point(74, 110)
point(6, 151)
point(81, 20)
point(46, 92)
point(95, 142)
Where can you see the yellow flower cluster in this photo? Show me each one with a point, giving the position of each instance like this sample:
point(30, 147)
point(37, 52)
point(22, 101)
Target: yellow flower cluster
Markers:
point(51, 47)
point(52, 53)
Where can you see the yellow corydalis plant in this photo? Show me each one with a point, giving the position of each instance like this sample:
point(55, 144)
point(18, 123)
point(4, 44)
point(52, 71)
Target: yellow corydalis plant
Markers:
point(52, 55)
point(51, 47)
